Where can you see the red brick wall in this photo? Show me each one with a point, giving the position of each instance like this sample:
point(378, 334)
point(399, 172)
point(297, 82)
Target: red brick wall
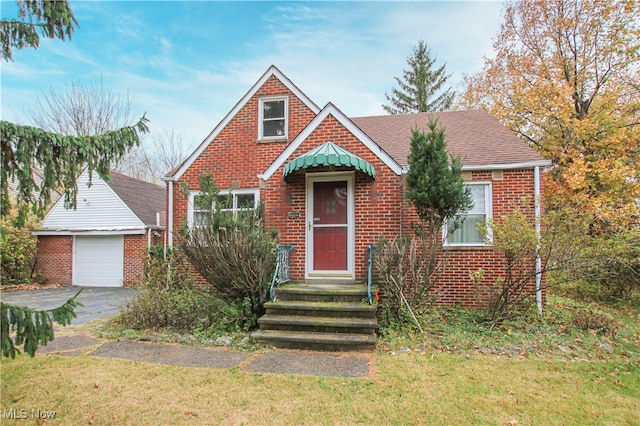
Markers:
point(55, 257)
point(236, 157)
point(515, 189)
point(135, 254)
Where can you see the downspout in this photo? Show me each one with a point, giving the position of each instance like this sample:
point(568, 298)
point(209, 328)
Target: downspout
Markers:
point(537, 214)
point(170, 217)
point(401, 200)
point(169, 232)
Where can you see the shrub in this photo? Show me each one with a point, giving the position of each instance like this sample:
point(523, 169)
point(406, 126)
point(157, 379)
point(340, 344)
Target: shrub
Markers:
point(558, 247)
point(18, 249)
point(234, 253)
point(515, 237)
point(170, 299)
point(590, 320)
point(614, 261)
point(404, 282)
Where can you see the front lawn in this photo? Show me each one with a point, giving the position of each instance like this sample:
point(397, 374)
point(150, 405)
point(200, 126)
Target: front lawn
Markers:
point(407, 388)
point(580, 365)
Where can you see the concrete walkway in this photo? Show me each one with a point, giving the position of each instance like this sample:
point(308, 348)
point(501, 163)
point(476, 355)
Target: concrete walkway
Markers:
point(276, 361)
point(101, 302)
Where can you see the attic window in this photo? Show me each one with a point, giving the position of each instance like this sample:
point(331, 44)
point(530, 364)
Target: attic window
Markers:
point(273, 118)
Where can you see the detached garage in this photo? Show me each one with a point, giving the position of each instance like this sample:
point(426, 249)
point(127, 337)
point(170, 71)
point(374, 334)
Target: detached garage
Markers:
point(104, 241)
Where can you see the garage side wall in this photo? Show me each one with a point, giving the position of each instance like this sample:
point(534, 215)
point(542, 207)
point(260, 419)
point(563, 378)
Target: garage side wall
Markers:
point(135, 254)
point(55, 258)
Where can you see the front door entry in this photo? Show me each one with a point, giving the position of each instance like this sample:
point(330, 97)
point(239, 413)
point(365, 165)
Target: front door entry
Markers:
point(329, 228)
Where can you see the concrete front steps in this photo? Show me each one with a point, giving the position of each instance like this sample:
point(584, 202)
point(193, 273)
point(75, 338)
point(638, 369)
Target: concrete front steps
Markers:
point(329, 317)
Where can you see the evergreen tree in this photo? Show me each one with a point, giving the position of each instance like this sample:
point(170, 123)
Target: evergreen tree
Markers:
point(52, 18)
point(434, 180)
point(60, 157)
point(31, 327)
point(421, 87)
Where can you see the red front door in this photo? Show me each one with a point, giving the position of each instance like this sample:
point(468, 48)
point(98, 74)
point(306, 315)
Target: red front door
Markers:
point(330, 226)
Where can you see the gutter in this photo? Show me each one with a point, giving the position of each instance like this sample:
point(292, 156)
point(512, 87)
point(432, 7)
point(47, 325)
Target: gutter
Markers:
point(126, 230)
point(508, 166)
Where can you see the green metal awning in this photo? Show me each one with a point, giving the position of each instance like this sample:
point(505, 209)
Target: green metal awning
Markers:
point(329, 154)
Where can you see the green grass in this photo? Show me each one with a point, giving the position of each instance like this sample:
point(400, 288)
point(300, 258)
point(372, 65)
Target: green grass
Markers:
point(411, 388)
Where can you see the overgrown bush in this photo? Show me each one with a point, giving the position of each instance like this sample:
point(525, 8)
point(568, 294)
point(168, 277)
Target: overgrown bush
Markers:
point(170, 299)
point(516, 239)
point(614, 261)
point(558, 247)
point(603, 254)
point(404, 279)
point(233, 252)
point(18, 249)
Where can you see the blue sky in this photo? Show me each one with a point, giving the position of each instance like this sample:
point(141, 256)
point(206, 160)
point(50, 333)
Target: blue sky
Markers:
point(187, 63)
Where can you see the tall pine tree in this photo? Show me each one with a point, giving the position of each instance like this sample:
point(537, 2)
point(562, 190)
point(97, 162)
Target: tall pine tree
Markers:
point(421, 86)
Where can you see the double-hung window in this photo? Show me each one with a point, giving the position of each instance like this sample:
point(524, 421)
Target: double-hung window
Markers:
point(466, 232)
point(229, 204)
point(273, 118)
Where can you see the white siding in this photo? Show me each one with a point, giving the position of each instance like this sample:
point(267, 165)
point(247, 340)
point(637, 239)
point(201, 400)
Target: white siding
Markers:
point(98, 261)
point(97, 207)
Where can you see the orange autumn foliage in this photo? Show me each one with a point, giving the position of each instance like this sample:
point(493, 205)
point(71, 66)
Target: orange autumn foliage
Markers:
point(566, 79)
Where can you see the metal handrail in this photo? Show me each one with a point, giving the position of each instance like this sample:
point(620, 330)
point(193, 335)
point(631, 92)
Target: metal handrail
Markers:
point(370, 272)
point(282, 272)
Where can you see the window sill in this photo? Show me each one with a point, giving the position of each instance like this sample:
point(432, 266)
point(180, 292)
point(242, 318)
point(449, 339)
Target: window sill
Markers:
point(467, 247)
point(272, 140)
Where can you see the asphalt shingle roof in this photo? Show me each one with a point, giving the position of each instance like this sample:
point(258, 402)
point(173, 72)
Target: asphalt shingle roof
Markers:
point(143, 198)
point(473, 135)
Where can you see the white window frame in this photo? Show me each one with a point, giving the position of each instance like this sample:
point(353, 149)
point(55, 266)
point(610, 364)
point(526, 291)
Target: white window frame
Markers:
point(488, 208)
point(261, 120)
point(191, 209)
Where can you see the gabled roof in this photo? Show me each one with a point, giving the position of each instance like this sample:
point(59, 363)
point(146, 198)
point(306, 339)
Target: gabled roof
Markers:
point(143, 198)
point(176, 173)
point(330, 109)
point(476, 137)
point(123, 205)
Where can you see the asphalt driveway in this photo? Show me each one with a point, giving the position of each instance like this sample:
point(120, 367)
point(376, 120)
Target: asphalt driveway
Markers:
point(98, 301)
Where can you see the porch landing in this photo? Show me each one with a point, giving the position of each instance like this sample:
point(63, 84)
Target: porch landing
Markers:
point(319, 316)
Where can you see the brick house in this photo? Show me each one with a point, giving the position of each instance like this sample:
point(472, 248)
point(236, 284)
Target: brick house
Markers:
point(332, 185)
point(104, 241)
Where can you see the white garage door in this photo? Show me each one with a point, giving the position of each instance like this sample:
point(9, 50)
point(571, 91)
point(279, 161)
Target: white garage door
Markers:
point(98, 260)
